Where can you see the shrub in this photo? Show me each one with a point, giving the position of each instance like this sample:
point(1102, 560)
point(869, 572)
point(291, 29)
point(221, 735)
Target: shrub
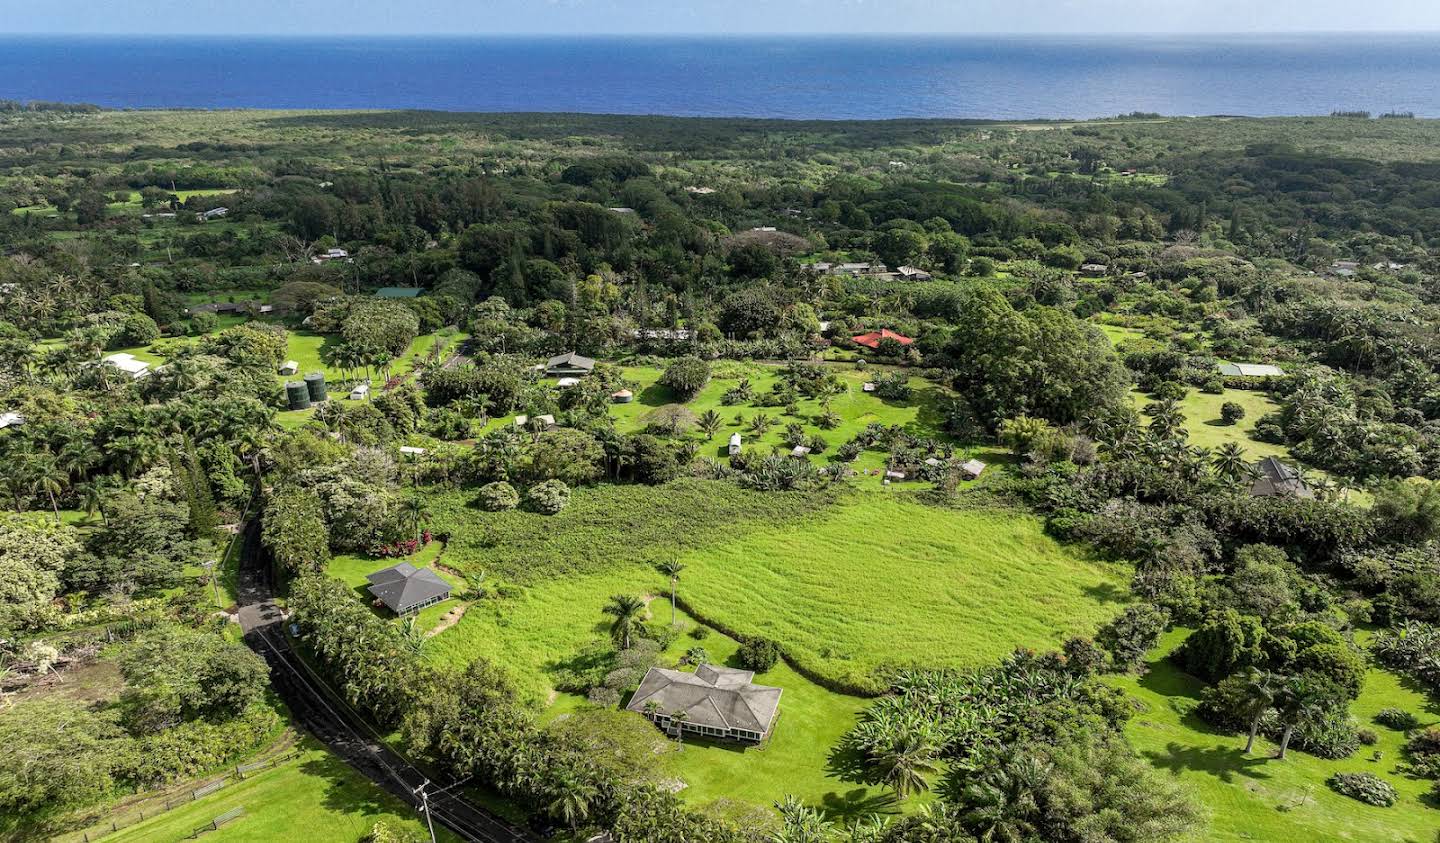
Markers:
point(1396, 718)
point(700, 633)
point(550, 497)
point(758, 654)
point(1171, 390)
point(1366, 787)
point(686, 376)
point(498, 497)
point(1230, 412)
point(696, 656)
point(1367, 737)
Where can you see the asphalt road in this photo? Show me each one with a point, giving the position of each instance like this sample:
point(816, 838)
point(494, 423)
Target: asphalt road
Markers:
point(316, 707)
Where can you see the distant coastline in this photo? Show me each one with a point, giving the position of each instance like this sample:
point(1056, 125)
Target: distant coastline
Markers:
point(814, 77)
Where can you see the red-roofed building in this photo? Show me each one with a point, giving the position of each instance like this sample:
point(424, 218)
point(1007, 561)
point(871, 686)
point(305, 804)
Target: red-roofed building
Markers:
point(872, 339)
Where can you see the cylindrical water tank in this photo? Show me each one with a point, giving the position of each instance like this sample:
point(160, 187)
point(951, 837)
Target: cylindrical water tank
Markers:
point(315, 382)
point(298, 395)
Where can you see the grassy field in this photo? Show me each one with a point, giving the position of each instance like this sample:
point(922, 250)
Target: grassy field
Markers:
point(314, 797)
point(1261, 798)
point(959, 587)
point(1203, 425)
point(920, 415)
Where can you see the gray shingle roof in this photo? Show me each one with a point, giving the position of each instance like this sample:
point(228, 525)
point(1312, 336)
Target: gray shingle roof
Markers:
point(571, 361)
point(718, 697)
point(403, 586)
point(1276, 479)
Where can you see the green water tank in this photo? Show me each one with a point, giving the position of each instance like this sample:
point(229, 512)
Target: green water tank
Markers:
point(298, 395)
point(315, 382)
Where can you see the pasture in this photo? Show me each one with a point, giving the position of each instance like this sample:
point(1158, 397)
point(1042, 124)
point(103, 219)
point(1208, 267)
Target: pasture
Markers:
point(870, 580)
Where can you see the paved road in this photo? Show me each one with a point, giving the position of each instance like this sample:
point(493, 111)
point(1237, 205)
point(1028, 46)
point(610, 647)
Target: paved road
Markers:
point(328, 718)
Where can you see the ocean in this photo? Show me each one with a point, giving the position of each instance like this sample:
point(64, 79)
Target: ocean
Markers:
point(797, 77)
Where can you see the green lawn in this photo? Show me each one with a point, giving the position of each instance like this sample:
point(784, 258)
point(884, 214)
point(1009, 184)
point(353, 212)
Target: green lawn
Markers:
point(1203, 425)
point(920, 415)
point(315, 797)
point(1260, 798)
point(796, 758)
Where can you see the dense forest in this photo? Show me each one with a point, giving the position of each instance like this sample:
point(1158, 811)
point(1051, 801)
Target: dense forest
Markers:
point(873, 309)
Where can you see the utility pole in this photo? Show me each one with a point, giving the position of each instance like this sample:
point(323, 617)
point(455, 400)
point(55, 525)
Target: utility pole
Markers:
point(209, 567)
point(425, 807)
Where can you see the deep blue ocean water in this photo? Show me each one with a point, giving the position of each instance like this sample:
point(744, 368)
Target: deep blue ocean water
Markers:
point(812, 77)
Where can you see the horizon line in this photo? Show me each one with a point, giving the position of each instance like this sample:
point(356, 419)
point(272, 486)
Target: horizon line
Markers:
point(725, 35)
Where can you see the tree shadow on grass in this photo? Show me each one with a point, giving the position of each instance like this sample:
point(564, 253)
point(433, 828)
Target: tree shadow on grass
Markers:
point(1224, 763)
point(857, 804)
point(343, 794)
point(1107, 592)
point(655, 395)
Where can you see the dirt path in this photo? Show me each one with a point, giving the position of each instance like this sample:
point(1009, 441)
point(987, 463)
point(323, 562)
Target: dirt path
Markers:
point(448, 620)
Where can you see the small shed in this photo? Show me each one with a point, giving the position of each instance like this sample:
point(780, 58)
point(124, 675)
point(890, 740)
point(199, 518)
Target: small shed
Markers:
point(11, 420)
point(546, 421)
point(894, 475)
point(735, 444)
point(869, 386)
point(971, 469)
point(398, 292)
point(289, 367)
point(411, 451)
point(800, 452)
point(1094, 270)
point(360, 392)
point(623, 396)
point(566, 383)
point(933, 462)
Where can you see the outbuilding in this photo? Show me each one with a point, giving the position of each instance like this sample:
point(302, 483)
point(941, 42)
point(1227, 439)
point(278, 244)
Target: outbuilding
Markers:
point(289, 367)
point(734, 447)
point(622, 396)
point(360, 392)
point(1251, 370)
point(971, 469)
point(800, 452)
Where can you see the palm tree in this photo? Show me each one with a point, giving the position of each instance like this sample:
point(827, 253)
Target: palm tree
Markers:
point(49, 478)
point(1001, 806)
point(678, 717)
point(761, 423)
point(905, 765)
point(1230, 463)
point(672, 569)
point(1261, 689)
point(1301, 703)
point(628, 611)
point(710, 423)
point(574, 794)
point(418, 513)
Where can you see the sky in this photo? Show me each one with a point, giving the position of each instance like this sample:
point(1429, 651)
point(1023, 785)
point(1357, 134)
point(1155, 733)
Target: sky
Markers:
point(715, 17)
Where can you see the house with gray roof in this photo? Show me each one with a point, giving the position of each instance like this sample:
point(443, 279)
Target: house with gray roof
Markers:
point(569, 365)
point(1275, 479)
point(403, 588)
point(718, 702)
point(1251, 370)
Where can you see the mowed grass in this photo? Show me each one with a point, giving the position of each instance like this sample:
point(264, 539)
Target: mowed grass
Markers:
point(920, 415)
point(1206, 430)
point(1257, 797)
point(315, 797)
point(795, 760)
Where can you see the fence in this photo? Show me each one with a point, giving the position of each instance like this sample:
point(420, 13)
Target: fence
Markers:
point(229, 816)
point(239, 773)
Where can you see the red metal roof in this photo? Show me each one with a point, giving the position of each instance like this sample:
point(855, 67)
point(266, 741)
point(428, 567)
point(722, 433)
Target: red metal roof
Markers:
point(872, 339)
